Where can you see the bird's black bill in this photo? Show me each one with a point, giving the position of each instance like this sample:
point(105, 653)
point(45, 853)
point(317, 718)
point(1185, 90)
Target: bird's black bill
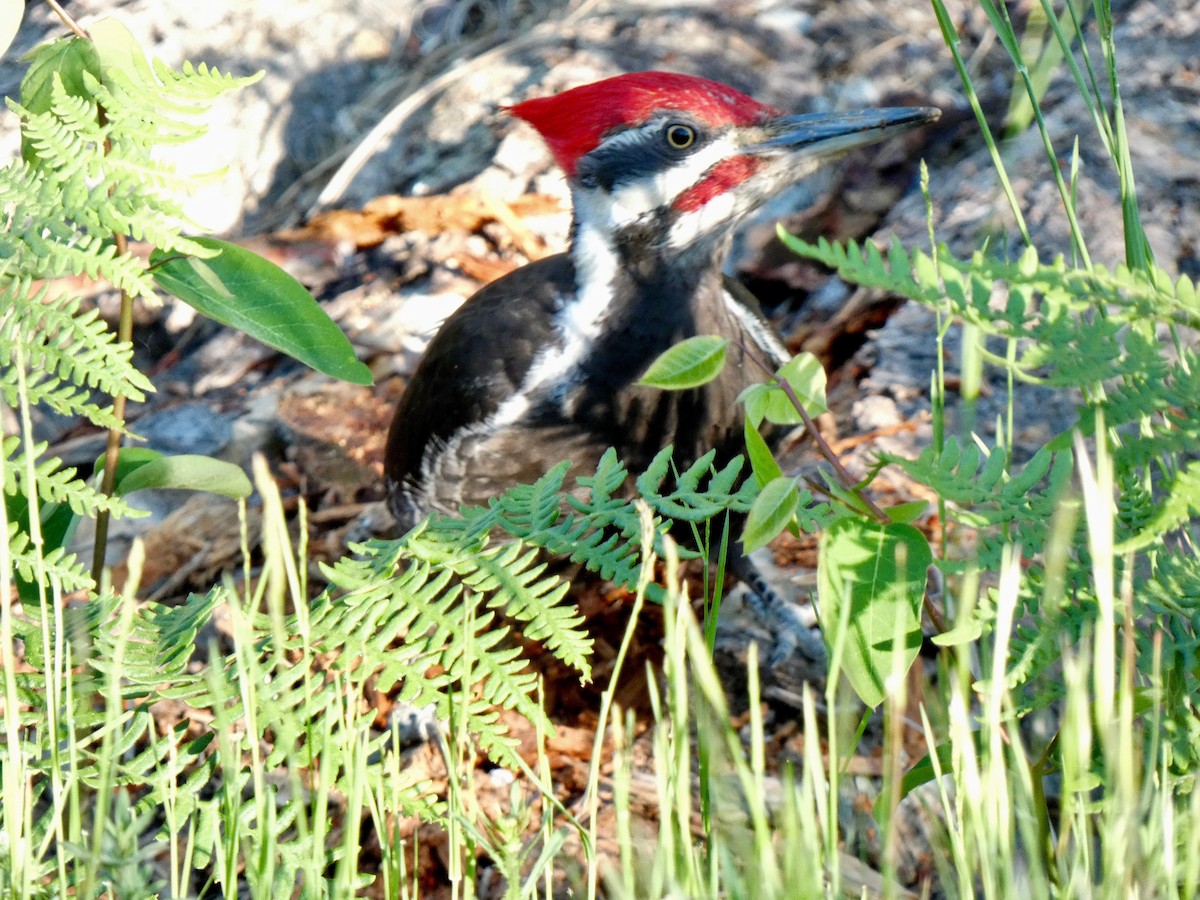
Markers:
point(821, 134)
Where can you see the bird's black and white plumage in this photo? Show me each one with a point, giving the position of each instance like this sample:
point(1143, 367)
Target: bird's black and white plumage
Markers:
point(511, 386)
point(543, 364)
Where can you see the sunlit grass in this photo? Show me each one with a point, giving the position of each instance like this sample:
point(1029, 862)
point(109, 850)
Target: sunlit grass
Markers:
point(1122, 824)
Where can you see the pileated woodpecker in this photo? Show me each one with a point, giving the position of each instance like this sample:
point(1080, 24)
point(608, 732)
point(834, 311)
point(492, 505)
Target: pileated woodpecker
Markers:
point(542, 365)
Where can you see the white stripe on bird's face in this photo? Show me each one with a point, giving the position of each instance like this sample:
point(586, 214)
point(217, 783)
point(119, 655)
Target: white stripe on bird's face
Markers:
point(714, 217)
point(633, 200)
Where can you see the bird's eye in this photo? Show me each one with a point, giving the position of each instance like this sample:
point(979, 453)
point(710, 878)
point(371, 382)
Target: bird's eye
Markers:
point(680, 137)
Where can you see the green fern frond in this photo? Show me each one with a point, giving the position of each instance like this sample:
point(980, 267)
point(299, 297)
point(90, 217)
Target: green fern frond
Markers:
point(201, 81)
point(55, 484)
point(420, 616)
point(445, 621)
point(1087, 330)
point(599, 531)
point(96, 176)
point(690, 502)
point(32, 563)
point(865, 265)
point(166, 108)
point(517, 588)
point(1177, 506)
point(597, 526)
point(1037, 291)
point(156, 224)
point(46, 249)
point(63, 397)
point(67, 137)
point(63, 346)
point(291, 698)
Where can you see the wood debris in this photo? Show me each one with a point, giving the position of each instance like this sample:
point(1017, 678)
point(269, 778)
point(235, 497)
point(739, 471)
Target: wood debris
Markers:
point(392, 214)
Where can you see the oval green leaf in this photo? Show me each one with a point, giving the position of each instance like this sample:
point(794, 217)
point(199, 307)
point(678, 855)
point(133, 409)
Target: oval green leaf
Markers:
point(689, 364)
point(244, 291)
point(871, 582)
point(119, 49)
point(762, 460)
point(128, 459)
point(967, 632)
point(806, 377)
point(188, 472)
point(771, 512)
point(755, 399)
point(68, 58)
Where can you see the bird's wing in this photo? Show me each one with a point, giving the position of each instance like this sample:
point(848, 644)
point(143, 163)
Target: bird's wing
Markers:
point(478, 358)
point(745, 307)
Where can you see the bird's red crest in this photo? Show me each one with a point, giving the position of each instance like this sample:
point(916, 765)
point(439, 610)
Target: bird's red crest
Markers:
point(574, 122)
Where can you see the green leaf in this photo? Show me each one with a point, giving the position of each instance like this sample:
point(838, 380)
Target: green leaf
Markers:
point(10, 20)
point(923, 770)
point(244, 291)
point(806, 375)
point(1185, 290)
point(128, 459)
point(803, 372)
point(756, 398)
point(67, 58)
point(689, 364)
point(119, 49)
point(966, 632)
point(762, 460)
point(873, 576)
point(188, 472)
point(907, 513)
point(773, 509)
point(139, 468)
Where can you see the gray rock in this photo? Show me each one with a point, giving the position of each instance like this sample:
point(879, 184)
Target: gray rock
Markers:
point(186, 428)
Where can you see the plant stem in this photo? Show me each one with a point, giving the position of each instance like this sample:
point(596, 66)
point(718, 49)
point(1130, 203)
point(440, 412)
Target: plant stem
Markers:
point(845, 478)
point(1037, 774)
point(112, 448)
point(68, 20)
point(109, 479)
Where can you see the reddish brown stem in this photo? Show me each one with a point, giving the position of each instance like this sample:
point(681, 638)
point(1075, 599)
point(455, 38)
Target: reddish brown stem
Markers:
point(844, 477)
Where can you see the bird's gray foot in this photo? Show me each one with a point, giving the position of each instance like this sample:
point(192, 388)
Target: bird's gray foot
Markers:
point(795, 627)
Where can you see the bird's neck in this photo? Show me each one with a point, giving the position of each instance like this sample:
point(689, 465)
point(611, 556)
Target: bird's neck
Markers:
point(626, 278)
point(633, 302)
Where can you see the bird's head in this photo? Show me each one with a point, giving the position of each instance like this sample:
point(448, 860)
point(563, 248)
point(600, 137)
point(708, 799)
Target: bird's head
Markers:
point(666, 162)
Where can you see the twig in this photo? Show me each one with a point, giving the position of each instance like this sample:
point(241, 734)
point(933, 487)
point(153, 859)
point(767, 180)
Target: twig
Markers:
point(847, 481)
point(849, 443)
point(67, 20)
